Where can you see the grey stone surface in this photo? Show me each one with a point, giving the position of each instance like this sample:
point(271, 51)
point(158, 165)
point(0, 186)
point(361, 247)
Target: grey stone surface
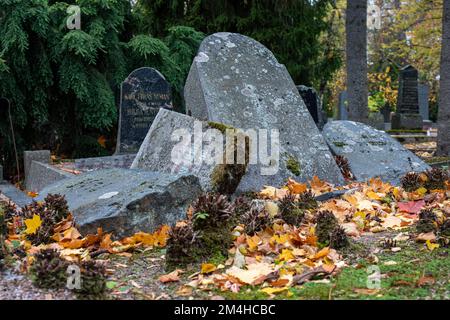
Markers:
point(314, 104)
point(42, 175)
point(370, 152)
point(237, 81)
point(159, 151)
point(142, 94)
point(116, 161)
point(15, 195)
point(42, 156)
point(126, 201)
point(407, 115)
point(343, 106)
point(424, 107)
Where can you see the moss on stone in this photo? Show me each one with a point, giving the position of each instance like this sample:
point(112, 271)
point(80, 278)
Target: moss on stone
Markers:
point(293, 165)
point(220, 126)
point(339, 144)
point(225, 177)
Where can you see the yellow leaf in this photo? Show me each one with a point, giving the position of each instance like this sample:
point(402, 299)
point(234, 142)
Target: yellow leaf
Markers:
point(286, 255)
point(253, 242)
point(431, 246)
point(271, 291)
point(33, 224)
point(422, 191)
point(208, 268)
point(373, 195)
point(322, 253)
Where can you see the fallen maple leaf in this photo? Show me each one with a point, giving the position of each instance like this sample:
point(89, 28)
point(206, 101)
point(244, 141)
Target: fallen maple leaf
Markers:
point(431, 246)
point(295, 187)
point(271, 291)
point(208, 268)
point(255, 272)
point(392, 222)
point(424, 237)
point(33, 224)
point(412, 207)
point(174, 276)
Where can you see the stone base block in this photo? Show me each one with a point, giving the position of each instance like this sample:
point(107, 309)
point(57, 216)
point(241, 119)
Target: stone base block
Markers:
point(407, 121)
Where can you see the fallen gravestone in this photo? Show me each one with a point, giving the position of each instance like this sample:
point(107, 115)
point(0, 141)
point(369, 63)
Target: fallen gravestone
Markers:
point(98, 163)
point(125, 201)
point(143, 93)
point(237, 81)
point(407, 115)
point(314, 104)
point(162, 151)
point(370, 152)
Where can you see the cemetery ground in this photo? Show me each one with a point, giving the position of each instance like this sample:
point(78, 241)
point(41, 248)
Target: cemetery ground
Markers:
point(392, 233)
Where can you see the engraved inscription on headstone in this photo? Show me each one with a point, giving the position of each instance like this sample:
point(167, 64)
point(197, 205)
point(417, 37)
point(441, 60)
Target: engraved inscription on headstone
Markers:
point(143, 93)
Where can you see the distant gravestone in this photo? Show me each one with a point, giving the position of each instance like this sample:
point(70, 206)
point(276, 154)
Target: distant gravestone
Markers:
point(424, 109)
point(407, 115)
point(237, 81)
point(371, 153)
point(314, 105)
point(109, 162)
point(143, 93)
point(386, 112)
point(343, 106)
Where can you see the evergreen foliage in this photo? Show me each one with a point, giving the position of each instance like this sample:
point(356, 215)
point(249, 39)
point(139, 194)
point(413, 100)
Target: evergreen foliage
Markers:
point(64, 84)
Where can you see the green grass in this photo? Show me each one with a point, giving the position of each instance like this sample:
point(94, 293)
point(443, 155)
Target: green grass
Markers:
point(398, 282)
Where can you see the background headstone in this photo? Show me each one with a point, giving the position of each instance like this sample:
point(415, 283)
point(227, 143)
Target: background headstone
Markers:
point(343, 106)
point(143, 93)
point(424, 92)
point(42, 175)
point(237, 81)
point(314, 104)
point(1, 173)
point(30, 156)
point(370, 152)
point(125, 201)
point(407, 115)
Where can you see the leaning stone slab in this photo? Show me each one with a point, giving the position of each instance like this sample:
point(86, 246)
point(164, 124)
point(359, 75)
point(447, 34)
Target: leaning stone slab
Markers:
point(41, 175)
point(177, 143)
point(370, 152)
point(42, 156)
point(97, 163)
point(125, 201)
point(237, 81)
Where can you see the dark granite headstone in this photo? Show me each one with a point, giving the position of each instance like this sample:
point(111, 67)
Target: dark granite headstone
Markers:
point(386, 112)
point(314, 104)
point(407, 115)
point(143, 93)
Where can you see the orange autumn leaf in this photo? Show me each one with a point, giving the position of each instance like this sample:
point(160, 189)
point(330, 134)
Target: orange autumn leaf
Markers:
point(171, 277)
point(322, 253)
point(295, 187)
point(208, 268)
point(253, 242)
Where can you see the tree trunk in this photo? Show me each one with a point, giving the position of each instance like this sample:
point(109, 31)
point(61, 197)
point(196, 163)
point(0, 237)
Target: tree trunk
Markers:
point(443, 143)
point(356, 35)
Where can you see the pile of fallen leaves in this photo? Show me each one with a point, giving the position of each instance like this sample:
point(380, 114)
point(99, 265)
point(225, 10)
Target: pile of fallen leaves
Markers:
point(274, 258)
point(23, 224)
point(283, 255)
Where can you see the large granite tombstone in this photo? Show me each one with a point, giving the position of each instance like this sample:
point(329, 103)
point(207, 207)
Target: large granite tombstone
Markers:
point(125, 201)
point(143, 93)
point(314, 104)
point(177, 143)
point(370, 152)
point(237, 81)
point(407, 115)
point(424, 108)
